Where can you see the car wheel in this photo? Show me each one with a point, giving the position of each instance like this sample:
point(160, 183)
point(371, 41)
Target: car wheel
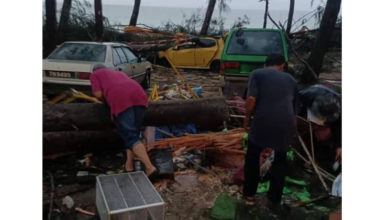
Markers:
point(146, 82)
point(214, 67)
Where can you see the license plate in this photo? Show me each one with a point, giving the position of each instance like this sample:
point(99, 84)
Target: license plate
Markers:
point(59, 74)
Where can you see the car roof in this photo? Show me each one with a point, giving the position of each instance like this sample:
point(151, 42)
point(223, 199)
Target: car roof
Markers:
point(255, 29)
point(97, 43)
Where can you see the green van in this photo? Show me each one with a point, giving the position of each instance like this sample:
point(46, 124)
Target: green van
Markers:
point(246, 49)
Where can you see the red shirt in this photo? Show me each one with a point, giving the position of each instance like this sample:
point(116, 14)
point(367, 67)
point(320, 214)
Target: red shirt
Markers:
point(119, 91)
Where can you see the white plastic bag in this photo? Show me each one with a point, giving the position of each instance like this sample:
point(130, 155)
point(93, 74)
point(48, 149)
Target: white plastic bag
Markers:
point(336, 187)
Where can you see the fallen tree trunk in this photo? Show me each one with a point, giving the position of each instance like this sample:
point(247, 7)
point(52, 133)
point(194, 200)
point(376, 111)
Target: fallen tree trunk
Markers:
point(78, 141)
point(205, 112)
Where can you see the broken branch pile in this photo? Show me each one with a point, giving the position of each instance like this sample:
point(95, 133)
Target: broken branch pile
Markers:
point(169, 39)
point(226, 142)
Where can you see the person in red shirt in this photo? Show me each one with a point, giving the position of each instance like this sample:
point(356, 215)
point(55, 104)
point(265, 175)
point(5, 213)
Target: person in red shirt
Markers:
point(128, 102)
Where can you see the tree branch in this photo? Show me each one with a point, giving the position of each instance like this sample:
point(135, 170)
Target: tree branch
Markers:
point(292, 49)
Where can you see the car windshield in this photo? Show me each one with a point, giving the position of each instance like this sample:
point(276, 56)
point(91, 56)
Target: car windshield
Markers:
point(255, 43)
point(81, 52)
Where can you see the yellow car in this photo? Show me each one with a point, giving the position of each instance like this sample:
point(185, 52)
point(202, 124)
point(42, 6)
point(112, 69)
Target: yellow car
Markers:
point(199, 53)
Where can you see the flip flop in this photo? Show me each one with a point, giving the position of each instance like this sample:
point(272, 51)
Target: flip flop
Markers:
point(125, 171)
point(250, 201)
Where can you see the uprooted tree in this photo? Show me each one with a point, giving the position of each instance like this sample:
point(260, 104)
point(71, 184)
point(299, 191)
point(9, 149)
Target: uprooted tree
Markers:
point(207, 19)
point(222, 5)
point(327, 25)
point(51, 25)
point(65, 14)
point(99, 19)
point(134, 15)
point(265, 12)
point(290, 16)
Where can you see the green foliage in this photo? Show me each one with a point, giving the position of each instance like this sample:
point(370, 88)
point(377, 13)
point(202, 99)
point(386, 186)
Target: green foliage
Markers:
point(192, 23)
point(223, 6)
point(81, 26)
point(241, 22)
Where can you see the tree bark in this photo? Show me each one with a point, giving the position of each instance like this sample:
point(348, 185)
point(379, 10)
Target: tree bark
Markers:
point(207, 19)
point(134, 15)
point(205, 112)
point(290, 16)
point(64, 19)
point(265, 14)
point(51, 23)
point(317, 54)
point(99, 20)
point(69, 141)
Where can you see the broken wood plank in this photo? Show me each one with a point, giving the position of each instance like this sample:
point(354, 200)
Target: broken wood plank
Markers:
point(313, 163)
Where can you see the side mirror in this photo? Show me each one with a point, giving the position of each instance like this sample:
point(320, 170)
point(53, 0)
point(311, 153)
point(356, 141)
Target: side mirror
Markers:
point(139, 60)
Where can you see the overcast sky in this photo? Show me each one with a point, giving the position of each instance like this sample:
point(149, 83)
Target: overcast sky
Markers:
point(233, 4)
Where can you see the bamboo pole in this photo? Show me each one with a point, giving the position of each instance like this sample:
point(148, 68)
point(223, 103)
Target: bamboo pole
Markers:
point(313, 164)
point(324, 173)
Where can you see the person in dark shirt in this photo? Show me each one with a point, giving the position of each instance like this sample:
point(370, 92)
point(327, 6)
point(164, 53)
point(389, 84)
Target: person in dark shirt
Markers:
point(271, 97)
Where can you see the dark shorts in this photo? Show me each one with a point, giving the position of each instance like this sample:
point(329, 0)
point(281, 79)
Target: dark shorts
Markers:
point(129, 124)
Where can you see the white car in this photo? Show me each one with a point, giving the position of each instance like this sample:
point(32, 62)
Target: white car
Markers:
point(71, 64)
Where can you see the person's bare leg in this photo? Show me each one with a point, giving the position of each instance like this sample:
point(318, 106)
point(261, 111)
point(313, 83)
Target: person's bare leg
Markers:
point(129, 161)
point(140, 151)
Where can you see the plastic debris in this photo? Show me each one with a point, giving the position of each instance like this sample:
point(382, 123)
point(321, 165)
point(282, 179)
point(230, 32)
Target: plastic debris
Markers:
point(224, 207)
point(68, 202)
point(336, 187)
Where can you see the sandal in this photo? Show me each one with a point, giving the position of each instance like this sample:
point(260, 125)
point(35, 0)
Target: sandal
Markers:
point(126, 171)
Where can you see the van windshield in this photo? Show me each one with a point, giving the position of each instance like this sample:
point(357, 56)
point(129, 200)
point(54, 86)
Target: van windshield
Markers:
point(255, 43)
point(81, 52)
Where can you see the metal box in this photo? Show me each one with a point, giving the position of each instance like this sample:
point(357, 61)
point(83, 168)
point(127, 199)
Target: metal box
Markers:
point(128, 196)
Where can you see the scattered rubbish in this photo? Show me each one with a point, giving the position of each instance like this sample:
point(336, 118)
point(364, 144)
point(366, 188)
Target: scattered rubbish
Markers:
point(294, 181)
point(84, 211)
point(197, 90)
point(321, 208)
point(72, 95)
point(224, 207)
point(228, 142)
point(336, 214)
point(162, 159)
point(301, 195)
point(336, 165)
point(336, 187)
point(138, 166)
point(290, 155)
point(266, 159)
point(68, 202)
point(313, 164)
point(82, 173)
point(309, 202)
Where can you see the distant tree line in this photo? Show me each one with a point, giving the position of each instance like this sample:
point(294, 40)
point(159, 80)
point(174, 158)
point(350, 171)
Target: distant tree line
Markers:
point(79, 24)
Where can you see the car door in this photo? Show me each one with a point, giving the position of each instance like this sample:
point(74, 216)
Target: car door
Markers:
point(184, 55)
point(121, 62)
point(137, 68)
point(206, 50)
